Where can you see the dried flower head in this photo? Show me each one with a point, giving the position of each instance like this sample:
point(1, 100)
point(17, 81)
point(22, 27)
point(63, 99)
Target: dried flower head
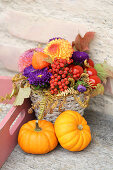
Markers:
point(59, 48)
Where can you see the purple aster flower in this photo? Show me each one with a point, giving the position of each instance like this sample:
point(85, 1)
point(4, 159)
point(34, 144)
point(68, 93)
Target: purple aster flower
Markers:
point(81, 88)
point(55, 38)
point(79, 57)
point(38, 77)
point(28, 70)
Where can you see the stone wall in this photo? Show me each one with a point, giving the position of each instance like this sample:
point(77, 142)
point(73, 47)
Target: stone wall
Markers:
point(20, 20)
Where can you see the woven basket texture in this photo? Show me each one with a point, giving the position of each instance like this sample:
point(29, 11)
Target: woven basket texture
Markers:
point(70, 104)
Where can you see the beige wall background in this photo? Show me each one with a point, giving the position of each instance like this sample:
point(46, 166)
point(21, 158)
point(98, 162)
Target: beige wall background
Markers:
point(25, 23)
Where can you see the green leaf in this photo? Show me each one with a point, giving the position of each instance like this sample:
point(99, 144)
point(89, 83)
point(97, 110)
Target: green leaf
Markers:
point(14, 92)
point(36, 87)
point(99, 90)
point(81, 82)
point(48, 59)
point(104, 71)
point(22, 94)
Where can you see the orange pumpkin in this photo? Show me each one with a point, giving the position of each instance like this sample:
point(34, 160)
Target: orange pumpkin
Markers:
point(37, 138)
point(38, 60)
point(72, 131)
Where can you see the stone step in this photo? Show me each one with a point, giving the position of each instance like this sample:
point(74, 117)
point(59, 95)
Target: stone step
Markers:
point(97, 156)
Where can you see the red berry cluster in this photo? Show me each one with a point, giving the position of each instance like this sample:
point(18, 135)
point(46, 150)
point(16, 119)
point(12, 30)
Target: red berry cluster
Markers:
point(59, 78)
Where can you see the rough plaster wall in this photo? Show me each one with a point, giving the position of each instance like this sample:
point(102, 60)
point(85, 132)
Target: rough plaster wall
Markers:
point(96, 14)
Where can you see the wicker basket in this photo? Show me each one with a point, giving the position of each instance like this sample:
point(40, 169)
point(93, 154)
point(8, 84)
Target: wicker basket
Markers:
point(70, 104)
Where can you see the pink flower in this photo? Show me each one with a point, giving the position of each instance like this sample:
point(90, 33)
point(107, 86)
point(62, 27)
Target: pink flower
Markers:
point(25, 59)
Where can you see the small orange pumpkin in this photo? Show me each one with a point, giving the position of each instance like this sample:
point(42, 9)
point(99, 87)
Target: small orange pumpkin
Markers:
point(37, 138)
point(38, 60)
point(72, 131)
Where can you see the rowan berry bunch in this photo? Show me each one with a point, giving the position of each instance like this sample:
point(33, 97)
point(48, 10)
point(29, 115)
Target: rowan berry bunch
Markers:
point(60, 75)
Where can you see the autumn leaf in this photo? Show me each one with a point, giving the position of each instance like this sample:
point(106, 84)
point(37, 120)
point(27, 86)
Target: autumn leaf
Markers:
point(104, 71)
point(22, 94)
point(82, 44)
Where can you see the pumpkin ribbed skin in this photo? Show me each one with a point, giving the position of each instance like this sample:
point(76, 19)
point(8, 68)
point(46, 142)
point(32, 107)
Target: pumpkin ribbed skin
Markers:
point(38, 60)
point(37, 142)
point(67, 128)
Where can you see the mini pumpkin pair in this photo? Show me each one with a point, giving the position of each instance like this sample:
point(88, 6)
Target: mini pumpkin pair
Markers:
point(40, 137)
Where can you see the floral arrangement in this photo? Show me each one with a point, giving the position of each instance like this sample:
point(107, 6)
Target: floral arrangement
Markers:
point(59, 70)
point(53, 77)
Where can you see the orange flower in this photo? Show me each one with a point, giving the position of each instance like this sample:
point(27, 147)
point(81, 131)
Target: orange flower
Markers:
point(59, 48)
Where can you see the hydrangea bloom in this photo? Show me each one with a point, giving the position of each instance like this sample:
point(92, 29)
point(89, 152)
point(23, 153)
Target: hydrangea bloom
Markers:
point(25, 59)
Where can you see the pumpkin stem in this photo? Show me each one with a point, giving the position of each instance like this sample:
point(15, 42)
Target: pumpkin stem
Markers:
point(37, 128)
point(80, 127)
